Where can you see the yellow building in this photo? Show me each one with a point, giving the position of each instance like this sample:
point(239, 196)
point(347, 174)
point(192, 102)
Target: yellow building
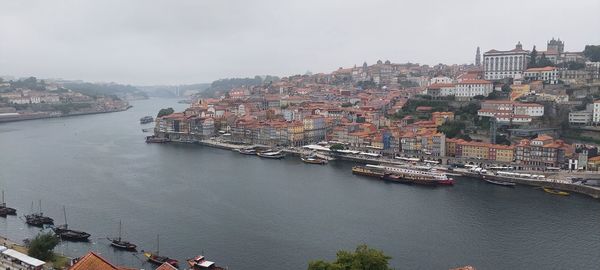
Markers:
point(475, 150)
point(504, 153)
point(518, 91)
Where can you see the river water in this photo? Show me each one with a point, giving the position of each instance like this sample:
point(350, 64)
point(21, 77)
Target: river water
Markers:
point(250, 213)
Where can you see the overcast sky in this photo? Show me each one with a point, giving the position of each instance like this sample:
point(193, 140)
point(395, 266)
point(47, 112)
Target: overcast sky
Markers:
point(176, 42)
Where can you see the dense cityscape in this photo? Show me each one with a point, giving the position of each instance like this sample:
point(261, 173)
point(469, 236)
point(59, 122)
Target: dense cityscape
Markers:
point(514, 107)
point(324, 135)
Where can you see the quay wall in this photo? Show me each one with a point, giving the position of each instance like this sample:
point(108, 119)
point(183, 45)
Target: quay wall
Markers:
point(593, 192)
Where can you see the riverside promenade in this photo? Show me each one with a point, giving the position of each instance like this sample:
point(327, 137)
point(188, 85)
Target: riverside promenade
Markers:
point(556, 180)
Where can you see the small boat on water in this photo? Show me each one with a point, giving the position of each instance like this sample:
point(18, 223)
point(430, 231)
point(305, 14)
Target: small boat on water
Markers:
point(146, 130)
point(4, 210)
point(313, 159)
point(271, 154)
point(247, 151)
point(146, 119)
point(500, 183)
point(38, 219)
point(157, 259)
point(154, 139)
point(556, 191)
point(199, 262)
point(64, 233)
point(120, 243)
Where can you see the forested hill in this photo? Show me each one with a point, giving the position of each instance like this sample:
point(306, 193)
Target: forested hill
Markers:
point(221, 86)
point(104, 89)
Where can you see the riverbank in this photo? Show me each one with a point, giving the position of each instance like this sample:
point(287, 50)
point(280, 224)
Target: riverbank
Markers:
point(47, 115)
point(59, 262)
point(562, 184)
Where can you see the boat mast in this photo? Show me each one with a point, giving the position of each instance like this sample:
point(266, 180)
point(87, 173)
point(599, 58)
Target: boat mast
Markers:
point(40, 205)
point(65, 213)
point(3, 203)
point(157, 244)
point(119, 230)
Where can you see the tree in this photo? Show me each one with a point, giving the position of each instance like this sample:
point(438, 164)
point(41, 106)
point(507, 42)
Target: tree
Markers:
point(336, 147)
point(544, 61)
point(363, 258)
point(42, 245)
point(452, 128)
point(533, 57)
point(164, 112)
point(592, 52)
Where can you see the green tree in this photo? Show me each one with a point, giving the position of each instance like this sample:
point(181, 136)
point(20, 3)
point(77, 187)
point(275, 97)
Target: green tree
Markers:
point(337, 146)
point(164, 112)
point(42, 245)
point(544, 61)
point(363, 258)
point(452, 128)
point(592, 52)
point(533, 57)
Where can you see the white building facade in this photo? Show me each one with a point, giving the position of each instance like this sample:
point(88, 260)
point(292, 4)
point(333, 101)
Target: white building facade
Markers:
point(498, 65)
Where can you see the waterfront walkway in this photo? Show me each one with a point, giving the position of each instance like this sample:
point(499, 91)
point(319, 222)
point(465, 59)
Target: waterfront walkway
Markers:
point(558, 180)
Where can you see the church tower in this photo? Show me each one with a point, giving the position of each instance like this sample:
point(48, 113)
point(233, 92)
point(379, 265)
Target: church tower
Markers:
point(478, 57)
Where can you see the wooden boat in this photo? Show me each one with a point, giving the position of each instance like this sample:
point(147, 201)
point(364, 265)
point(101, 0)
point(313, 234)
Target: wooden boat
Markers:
point(247, 151)
point(366, 171)
point(153, 139)
point(157, 259)
point(199, 262)
point(120, 243)
point(4, 210)
point(556, 191)
point(500, 183)
point(271, 154)
point(64, 233)
point(313, 160)
point(38, 219)
point(146, 119)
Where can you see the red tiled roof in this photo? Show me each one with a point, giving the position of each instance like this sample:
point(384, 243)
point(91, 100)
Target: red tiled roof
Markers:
point(166, 266)
point(93, 261)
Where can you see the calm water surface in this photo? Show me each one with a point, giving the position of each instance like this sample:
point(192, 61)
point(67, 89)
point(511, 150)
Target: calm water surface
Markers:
point(249, 213)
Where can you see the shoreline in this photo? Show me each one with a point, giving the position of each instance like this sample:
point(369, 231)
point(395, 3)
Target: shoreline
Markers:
point(49, 116)
point(593, 192)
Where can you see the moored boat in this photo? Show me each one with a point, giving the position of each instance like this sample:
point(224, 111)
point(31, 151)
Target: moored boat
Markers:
point(271, 154)
point(157, 259)
point(146, 119)
point(64, 233)
point(500, 183)
point(120, 243)
point(4, 210)
point(38, 219)
point(367, 171)
point(417, 176)
point(199, 262)
point(556, 191)
point(313, 160)
point(247, 151)
point(154, 139)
